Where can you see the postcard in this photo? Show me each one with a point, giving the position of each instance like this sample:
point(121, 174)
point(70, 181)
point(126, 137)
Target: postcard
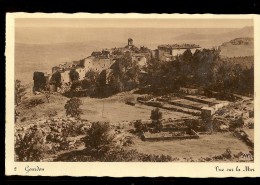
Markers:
point(131, 95)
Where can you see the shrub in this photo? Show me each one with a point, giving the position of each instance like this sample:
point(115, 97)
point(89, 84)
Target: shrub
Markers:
point(117, 154)
point(34, 102)
point(19, 92)
point(155, 158)
point(72, 107)
point(156, 114)
point(139, 127)
point(99, 140)
point(52, 113)
point(157, 124)
point(31, 147)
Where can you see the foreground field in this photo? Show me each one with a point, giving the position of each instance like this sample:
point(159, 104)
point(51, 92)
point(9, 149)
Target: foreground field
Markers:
point(120, 116)
point(205, 146)
point(112, 109)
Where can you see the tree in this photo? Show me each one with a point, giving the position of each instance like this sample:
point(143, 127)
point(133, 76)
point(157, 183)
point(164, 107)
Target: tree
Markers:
point(72, 107)
point(187, 56)
point(115, 83)
point(56, 79)
point(74, 75)
point(91, 76)
point(156, 116)
point(124, 75)
point(19, 92)
point(155, 73)
point(99, 140)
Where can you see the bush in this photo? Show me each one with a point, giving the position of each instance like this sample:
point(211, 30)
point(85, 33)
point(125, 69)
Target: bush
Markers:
point(155, 158)
point(72, 107)
point(157, 124)
point(52, 113)
point(99, 140)
point(34, 102)
point(139, 127)
point(156, 114)
point(31, 147)
point(117, 154)
point(19, 92)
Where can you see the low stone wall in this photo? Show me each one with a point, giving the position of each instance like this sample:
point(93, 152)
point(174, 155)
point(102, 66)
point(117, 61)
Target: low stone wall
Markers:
point(166, 136)
point(169, 138)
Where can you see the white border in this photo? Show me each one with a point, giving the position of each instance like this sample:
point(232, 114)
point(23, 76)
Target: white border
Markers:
point(121, 169)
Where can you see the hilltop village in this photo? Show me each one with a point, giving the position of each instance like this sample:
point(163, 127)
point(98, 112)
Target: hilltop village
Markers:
point(102, 62)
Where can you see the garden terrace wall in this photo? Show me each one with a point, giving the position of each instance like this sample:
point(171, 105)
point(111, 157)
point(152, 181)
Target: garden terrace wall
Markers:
point(187, 104)
point(152, 137)
point(181, 109)
point(201, 99)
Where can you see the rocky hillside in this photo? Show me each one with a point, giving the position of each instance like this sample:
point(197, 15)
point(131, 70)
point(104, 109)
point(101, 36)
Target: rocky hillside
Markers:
point(239, 47)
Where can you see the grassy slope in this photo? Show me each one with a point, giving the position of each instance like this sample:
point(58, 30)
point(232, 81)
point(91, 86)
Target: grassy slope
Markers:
point(116, 111)
point(205, 146)
point(112, 109)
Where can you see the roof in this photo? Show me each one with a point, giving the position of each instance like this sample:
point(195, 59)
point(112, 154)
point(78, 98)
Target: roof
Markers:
point(179, 46)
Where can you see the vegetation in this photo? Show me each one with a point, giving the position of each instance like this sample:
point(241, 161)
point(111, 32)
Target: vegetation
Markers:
point(139, 127)
point(99, 140)
point(72, 107)
point(156, 116)
point(19, 92)
point(30, 147)
point(34, 102)
point(74, 75)
point(56, 79)
point(205, 68)
point(125, 74)
point(91, 76)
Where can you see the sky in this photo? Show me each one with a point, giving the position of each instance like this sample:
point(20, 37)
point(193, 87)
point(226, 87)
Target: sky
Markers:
point(115, 31)
point(122, 22)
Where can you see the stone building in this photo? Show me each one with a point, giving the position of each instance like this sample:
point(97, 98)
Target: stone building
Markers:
point(99, 61)
point(140, 59)
point(169, 52)
point(97, 64)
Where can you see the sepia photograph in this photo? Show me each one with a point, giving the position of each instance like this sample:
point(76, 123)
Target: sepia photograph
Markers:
point(146, 89)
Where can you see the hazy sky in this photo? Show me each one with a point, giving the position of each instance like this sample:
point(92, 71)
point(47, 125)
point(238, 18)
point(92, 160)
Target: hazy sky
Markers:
point(153, 23)
point(143, 31)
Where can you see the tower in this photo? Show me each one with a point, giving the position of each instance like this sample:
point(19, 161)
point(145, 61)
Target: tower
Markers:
point(130, 42)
